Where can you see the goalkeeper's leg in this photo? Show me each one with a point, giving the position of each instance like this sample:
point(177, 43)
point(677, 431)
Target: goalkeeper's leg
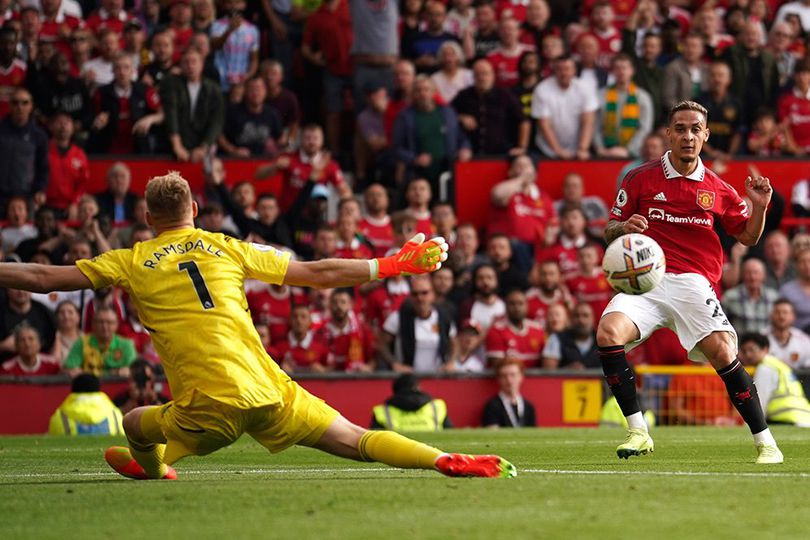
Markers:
point(146, 457)
point(344, 439)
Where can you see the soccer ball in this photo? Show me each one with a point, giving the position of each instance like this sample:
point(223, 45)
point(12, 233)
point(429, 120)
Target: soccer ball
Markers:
point(634, 264)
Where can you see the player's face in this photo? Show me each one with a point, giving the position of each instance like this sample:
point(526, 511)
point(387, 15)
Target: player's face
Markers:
point(510, 379)
point(516, 307)
point(687, 132)
point(783, 316)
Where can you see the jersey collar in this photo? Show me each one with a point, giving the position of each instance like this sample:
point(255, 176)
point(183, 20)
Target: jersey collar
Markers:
point(670, 172)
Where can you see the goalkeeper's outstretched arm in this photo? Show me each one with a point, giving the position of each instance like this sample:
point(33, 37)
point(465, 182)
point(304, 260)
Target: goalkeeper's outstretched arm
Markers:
point(417, 256)
point(42, 278)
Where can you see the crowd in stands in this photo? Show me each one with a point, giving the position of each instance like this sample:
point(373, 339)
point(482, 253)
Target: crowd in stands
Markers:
point(367, 105)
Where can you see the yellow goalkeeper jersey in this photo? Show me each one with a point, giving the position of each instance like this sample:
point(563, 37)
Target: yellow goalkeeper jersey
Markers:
point(188, 286)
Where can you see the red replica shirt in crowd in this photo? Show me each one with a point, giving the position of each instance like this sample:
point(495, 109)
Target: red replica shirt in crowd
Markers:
point(123, 141)
point(349, 346)
point(539, 303)
point(610, 43)
point(621, 8)
point(330, 32)
point(424, 223)
point(101, 19)
point(681, 212)
point(796, 109)
point(506, 65)
point(525, 217)
point(353, 250)
point(384, 300)
point(45, 365)
point(302, 354)
point(594, 290)
point(11, 78)
point(182, 37)
point(379, 234)
point(58, 30)
point(271, 307)
point(526, 344)
point(507, 8)
point(296, 174)
point(69, 175)
point(564, 253)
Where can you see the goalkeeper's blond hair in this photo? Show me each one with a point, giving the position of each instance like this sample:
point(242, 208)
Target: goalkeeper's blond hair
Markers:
point(168, 197)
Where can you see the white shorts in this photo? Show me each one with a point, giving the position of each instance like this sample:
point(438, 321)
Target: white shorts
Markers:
point(684, 303)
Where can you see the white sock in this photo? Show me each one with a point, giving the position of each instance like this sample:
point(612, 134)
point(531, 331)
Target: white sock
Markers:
point(636, 421)
point(764, 437)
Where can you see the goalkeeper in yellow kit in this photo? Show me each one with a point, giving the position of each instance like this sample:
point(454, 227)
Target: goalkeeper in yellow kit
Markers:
point(188, 285)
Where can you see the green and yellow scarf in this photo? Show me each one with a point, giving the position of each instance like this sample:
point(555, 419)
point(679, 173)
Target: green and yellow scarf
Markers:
point(618, 131)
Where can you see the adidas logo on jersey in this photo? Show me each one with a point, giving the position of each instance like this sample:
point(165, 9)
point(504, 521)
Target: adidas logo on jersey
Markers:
point(660, 197)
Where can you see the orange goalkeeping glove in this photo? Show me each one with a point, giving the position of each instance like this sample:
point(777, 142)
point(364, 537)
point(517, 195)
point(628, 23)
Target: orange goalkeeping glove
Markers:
point(415, 257)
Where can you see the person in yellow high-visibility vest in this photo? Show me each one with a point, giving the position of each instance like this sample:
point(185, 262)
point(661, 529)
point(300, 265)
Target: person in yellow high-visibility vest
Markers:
point(410, 409)
point(780, 392)
point(86, 411)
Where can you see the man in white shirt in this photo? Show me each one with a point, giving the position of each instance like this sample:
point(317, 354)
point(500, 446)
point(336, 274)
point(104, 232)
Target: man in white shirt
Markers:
point(788, 344)
point(565, 109)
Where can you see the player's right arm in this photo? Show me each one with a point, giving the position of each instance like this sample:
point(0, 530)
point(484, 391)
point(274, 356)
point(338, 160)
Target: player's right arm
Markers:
point(634, 224)
point(42, 278)
point(624, 205)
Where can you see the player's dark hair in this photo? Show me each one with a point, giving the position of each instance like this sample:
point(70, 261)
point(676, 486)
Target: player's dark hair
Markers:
point(756, 338)
point(688, 106)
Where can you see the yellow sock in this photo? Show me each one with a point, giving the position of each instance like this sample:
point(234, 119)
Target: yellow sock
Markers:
point(150, 457)
point(398, 451)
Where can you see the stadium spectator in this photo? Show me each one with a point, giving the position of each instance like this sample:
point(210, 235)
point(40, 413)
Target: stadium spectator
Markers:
point(443, 284)
point(81, 50)
point(573, 195)
point(748, 305)
point(117, 202)
point(306, 216)
point(706, 22)
point(423, 48)
point(481, 36)
point(528, 77)
point(57, 21)
point(134, 43)
point(12, 68)
point(236, 45)
point(754, 75)
point(780, 393)
point(56, 90)
point(443, 222)
point(324, 243)
point(67, 330)
point(125, 112)
point(588, 69)
point(49, 240)
point(794, 110)
point(376, 224)
point(687, 76)
point(649, 74)
point(252, 127)
point(193, 107)
point(797, 290)
point(603, 28)
point(499, 252)
point(271, 306)
point(553, 48)
point(372, 148)
point(375, 46)
point(799, 8)
point(98, 71)
point(505, 58)
point(18, 307)
point(643, 21)
point(423, 335)
point(625, 115)
point(558, 319)
point(451, 76)
point(465, 254)
point(131, 326)
point(699, 400)
point(86, 411)
point(211, 217)
point(102, 351)
point(23, 153)
point(573, 235)
point(110, 15)
point(410, 409)
point(282, 100)
point(780, 39)
point(575, 347)
point(788, 343)
point(484, 306)
point(17, 228)
point(301, 351)
point(427, 138)
point(460, 16)
point(311, 162)
point(767, 138)
point(29, 361)
point(410, 23)
point(564, 108)
point(202, 42)
point(417, 197)
point(349, 340)
point(509, 408)
point(725, 114)
point(68, 166)
point(143, 389)
point(162, 61)
point(490, 115)
point(778, 264)
point(515, 336)
point(537, 24)
point(469, 358)
point(180, 26)
point(547, 290)
point(589, 284)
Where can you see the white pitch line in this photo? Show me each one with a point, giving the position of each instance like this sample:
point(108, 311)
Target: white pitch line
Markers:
point(576, 472)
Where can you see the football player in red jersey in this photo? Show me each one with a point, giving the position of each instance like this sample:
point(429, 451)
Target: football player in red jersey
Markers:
point(675, 200)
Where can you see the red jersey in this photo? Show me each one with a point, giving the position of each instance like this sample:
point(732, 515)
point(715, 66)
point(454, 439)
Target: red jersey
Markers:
point(379, 234)
point(101, 20)
point(594, 290)
point(681, 212)
point(123, 141)
point(539, 303)
point(182, 37)
point(384, 300)
point(353, 250)
point(564, 253)
point(302, 354)
point(525, 217)
point(45, 365)
point(350, 346)
point(621, 8)
point(59, 30)
point(296, 174)
point(514, 10)
point(796, 109)
point(526, 344)
point(11, 78)
point(505, 65)
point(271, 307)
point(69, 175)
point(330, 32)
point(610, 43)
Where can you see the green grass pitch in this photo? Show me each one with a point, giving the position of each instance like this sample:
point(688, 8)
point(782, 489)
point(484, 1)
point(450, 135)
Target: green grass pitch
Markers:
point(700, 483)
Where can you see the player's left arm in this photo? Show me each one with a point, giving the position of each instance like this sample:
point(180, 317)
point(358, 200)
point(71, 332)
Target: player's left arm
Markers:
point(417, 256)
point(759, 190)
point(42, 278)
